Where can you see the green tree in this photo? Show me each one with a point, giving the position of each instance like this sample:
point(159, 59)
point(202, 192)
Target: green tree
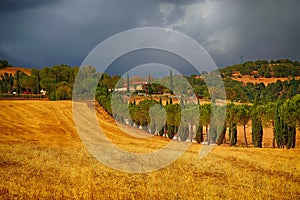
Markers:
point(221, 138)
point(64, 91)
point(205, 117)
point(173, 110)
point(278, 127)
point(243, 118)
point(291, 109)
point(231, 120)
point(257, 129)
point(4, 64)
point(199, 134)
point(171, 82)
point(190, 117)
point(6, 82)
point(128, 87)
point(268, 112)
point(290, 119)
point(49, 85)
point(17, 80)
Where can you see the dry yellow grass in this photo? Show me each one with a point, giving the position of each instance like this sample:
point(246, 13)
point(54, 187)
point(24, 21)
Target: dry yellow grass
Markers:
point(41, 156)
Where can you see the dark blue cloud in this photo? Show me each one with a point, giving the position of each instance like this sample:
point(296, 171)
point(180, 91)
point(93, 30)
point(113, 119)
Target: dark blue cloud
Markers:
point(17, 5)
point(45, 33)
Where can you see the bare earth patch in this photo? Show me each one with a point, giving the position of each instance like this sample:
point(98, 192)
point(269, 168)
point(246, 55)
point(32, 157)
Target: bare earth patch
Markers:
point(250, 79)
point(12, 70)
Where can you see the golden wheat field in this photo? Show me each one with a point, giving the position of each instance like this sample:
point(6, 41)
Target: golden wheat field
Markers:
point(42, 157)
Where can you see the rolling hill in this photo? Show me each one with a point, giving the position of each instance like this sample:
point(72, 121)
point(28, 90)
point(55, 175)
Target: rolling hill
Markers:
point(41, 156)
point(12, 70)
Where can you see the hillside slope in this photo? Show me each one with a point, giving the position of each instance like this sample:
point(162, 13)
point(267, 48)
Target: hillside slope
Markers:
point(12, 70)
point(266, 81)
point(41, 156)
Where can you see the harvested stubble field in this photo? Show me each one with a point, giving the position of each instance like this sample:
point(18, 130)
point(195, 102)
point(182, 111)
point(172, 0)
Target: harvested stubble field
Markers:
point(41, 156)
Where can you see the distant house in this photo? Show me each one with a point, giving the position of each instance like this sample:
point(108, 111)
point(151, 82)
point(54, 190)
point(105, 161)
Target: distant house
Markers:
point(134, 84)
point(43, 92)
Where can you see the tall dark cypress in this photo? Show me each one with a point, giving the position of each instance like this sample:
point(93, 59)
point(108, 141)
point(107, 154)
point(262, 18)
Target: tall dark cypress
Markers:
point(221, 137)
point(233, 134)
point(149, 79)
point(291, 137)
point(278, 127)
point(257, 129)
point(38, 82)
point(18, 81)
point(181, 101)
point(294, 86)
point(171, 81)
point(199, 134)
point(128, 89)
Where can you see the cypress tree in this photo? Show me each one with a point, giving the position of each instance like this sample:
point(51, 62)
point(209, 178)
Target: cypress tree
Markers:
point(199, 134)
point(257, 129)
point(171, 131)
point(149, 78)
point(171, 81)
point(38, 81)
point(291, 137)
point(171, 101)
point(181, 101)
point(221, 137)
point(291, 116)
point(149, 85)
point(284, 132)
point(257, 132)
point(161, 132)
point(294, 87)
point(160, 101)
point(213, 129)
point(128, 88)
point(233, 134)
point(278, 127)
point(18, 81)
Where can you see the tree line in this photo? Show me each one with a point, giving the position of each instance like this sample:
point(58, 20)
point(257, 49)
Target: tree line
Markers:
point(273, 68)
point(58, 82)
point(282, 116)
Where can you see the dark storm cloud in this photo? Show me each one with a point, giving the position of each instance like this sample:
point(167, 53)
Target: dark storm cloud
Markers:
point(257, 29)
point(14, 5)
point(65, 32)
point(139, 57)
point(44, 33)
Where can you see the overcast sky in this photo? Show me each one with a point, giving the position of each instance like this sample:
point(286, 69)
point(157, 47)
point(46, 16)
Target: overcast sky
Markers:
point(36, 33)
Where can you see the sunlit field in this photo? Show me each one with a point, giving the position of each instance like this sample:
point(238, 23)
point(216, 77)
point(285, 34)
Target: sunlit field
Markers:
point(41, 156)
